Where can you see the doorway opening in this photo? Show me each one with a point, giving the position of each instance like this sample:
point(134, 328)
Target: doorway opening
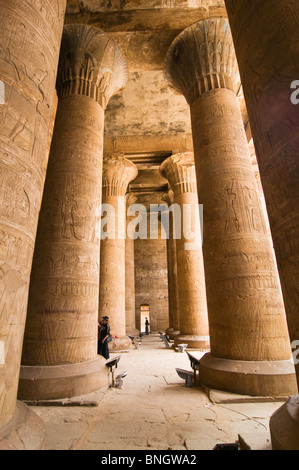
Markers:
point(144, 314)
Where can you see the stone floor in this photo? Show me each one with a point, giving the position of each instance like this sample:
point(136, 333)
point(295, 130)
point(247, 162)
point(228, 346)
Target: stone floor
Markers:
point(154, 410)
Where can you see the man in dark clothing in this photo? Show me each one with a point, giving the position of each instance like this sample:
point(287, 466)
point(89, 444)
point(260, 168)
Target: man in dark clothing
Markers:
point(146, 326)
point(103, 336)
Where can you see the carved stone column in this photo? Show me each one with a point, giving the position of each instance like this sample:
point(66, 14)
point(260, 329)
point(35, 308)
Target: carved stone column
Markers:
point(29, 51)
point(130, 272)
point(267, 49)
point(60, 346)
point(179, 170)
point(172, 268)
point(250, 350)
point(117, 173)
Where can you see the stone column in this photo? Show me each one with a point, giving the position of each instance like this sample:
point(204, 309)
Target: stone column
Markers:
point(117, 173)
point(172, 271)
point(130, 272)
point(29, 51)
point(267, 49)
point(60, 345)
point(179, 170)
point(250, 350)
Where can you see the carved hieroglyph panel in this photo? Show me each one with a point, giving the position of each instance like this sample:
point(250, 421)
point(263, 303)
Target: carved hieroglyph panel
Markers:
point(243, 291)
point(65, 273)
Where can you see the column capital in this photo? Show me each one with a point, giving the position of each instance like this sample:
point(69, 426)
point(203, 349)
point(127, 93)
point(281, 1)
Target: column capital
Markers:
point(202, 58)
point(91, 64)
point(179, 170)
point(118, 171)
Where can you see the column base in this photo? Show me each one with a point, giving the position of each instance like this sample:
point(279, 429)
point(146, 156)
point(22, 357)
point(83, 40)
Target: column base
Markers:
point(193, 341)
point(120, 344)
point(39, 383)
point(284, 426)
point(171, 333)
point(25, 431)
point(133, 332)
point(256, 378)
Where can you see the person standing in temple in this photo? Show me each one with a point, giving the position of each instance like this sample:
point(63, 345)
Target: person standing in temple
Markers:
point(146, 326)
point(104, 337)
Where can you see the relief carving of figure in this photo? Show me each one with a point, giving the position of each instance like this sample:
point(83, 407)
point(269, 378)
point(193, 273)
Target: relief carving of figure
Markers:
point(231, 220)
point(12, 295)
point(252, 209)
point(68, 208)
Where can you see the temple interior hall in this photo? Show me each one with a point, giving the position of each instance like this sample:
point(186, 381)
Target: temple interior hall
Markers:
point(149, 225)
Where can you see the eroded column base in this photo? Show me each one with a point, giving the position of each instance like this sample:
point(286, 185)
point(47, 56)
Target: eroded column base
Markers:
point(120, 344)
point(193, 341)
point(171, 333)
point(133, 332)
point(25, 431)
point(40, 383)
point(256, 378)
point(284, 426)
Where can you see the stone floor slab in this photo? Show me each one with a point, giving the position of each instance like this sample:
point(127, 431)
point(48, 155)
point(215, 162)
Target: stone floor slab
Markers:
point(155, 410)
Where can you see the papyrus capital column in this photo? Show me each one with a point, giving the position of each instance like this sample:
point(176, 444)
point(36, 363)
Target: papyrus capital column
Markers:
point(250, 351)
point(172, 273)
point(179, 170)
point(267, 48)
point(61, 329)
point(130, 270)
point(118, 171)
point(29, 51)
